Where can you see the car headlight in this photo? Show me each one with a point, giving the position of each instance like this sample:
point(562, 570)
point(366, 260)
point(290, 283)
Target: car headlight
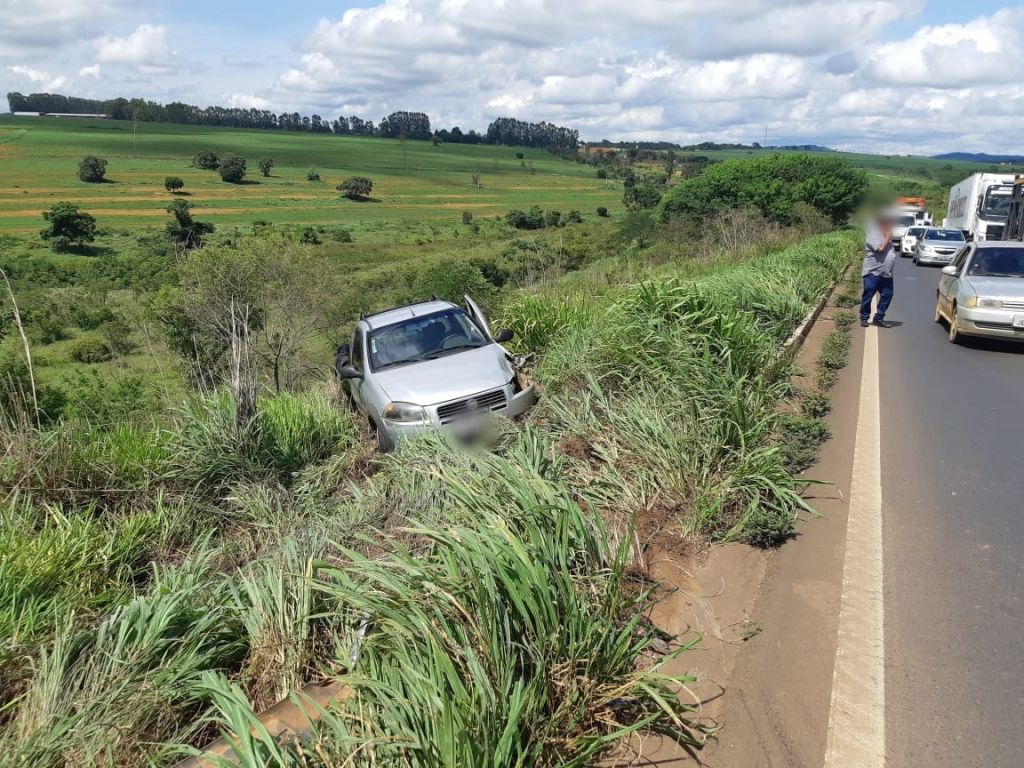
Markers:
point(997, 303)
point(928, 248)
point(404, 412)
point(971, 301)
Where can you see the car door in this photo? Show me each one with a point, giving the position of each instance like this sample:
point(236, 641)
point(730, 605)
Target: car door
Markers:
point(358, 361)
point(478, 317)
point(950, 284)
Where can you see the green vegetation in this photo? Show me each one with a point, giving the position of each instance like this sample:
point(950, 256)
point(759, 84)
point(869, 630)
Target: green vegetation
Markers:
point(173, 184)
point(92, 169)
point(356, 188)
point(771, 185)
point(232, 169)
point(69, 228)
point(198, 526)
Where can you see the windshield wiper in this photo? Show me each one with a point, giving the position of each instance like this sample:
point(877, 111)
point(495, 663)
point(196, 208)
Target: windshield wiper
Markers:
point(448, 350)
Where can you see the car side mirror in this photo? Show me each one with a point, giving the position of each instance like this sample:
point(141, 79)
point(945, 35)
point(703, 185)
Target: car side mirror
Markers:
point(950, 269)
point(503, 335)
point(348, 372)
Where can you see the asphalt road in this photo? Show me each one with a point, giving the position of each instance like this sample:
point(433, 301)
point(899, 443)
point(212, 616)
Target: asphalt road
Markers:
point(952, 425)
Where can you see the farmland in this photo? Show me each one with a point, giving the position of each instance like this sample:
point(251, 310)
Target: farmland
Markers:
point(417, 186)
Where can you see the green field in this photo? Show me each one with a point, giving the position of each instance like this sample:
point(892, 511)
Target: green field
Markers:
point(416, 186)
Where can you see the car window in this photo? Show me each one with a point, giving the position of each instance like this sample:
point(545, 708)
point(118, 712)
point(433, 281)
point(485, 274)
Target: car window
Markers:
point(945, 235)
point(915, 232)
point(424, 338)
point(997, 262)
point(357, 350)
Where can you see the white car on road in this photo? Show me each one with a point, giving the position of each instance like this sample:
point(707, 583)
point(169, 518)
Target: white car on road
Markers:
point(982, 292)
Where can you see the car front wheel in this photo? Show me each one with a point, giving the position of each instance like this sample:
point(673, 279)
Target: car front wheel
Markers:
point(954, 328)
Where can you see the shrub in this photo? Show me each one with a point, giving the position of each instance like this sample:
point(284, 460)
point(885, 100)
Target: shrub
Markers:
point(206, 160)
point(772, 185)
point(602, 211)
point(173, 183)
point(451, 280)
point(69, 228)
point(232, 169)
point(467, 217)
point(800, 437)
point(266, 165)
point(90, 349)
point(815, 405)
point(309, 237)
point(118, 336)
point(520, 155)
point(552, 219)
point(340, 235)
point(312, 175)
point(183, 229)
point(92, 169)
point(356, 187)
point(602, 173)
point(574, 217)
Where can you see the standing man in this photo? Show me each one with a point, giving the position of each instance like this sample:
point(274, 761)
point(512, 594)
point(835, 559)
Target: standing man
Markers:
point(879, 260)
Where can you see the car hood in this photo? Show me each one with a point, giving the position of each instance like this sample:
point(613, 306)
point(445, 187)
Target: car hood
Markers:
point(998, 287)
point(447, 378)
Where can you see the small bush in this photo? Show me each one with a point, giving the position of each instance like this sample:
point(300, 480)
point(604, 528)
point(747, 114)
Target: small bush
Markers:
point(467, 217)
point(552, 219)
point(173, 183)
point(519, 155)
point(90, 349)
point(266, 165)
point(602, 173)
point(92, 169)
point(800, 437)
point(815, 405)
point(232, 169)
point(574, 217)
point(312, 175)
point(309, 237)
point(835, 350)
point(602, 211)
point(844, 319)
point(206, 160)
point(340, 235)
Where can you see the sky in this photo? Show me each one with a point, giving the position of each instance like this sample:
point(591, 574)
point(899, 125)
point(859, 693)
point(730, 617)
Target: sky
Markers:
point(888, 76)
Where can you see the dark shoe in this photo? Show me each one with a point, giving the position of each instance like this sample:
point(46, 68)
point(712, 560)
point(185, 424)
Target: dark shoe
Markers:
point(863, 323)
point(880, 323)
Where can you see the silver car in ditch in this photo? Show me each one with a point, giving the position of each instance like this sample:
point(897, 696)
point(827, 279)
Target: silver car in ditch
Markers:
point(938, 246)
point(431, 365)
point(982, 292)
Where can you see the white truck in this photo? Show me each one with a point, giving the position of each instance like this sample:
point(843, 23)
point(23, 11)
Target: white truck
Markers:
point(978, 205)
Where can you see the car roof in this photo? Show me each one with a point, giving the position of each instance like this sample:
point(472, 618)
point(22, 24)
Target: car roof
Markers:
point(1001, 244)
point(407, 312)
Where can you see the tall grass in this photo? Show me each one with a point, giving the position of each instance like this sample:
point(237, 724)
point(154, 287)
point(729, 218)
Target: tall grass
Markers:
point(507, 636)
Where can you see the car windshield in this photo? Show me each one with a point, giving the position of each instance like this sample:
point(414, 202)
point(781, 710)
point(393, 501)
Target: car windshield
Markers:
point(997, 262)
point(424, 338)
point(903, 221)
point(997, 202)
point(945, 236)
point(915, 232)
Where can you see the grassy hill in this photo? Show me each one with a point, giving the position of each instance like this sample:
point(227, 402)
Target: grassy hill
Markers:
point(417, 186)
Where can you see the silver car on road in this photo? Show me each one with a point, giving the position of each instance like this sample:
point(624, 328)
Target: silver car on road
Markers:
point(982, 292)
point(938, 246)
point(427, 365)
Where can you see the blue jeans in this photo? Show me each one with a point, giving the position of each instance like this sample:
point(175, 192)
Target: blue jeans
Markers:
point(875, 284)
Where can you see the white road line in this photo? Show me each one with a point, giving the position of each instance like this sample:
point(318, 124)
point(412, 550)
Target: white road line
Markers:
point(856, 728)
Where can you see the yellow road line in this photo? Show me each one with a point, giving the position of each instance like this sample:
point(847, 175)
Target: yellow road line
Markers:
point(856, 730)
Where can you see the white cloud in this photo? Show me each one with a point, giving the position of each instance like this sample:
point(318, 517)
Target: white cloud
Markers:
point(245, 101)
point(953, 55)
point(28, 26)
point(41, 79)
point(93, 70)
point(147, 49)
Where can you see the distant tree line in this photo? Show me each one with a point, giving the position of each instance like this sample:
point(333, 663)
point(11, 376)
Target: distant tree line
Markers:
point(402, 124)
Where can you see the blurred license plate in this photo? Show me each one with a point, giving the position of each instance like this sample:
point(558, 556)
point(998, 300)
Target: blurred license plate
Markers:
point(1018, 321)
